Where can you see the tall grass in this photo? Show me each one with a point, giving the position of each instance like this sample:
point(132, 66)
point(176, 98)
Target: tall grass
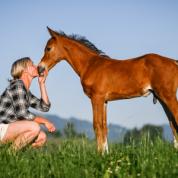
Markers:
point(78, 158)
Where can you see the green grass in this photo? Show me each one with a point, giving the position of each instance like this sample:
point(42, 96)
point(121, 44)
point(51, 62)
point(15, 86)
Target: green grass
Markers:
point(78, 158)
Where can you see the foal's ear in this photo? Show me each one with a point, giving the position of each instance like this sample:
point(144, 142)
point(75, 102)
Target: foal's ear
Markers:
point(51, 32)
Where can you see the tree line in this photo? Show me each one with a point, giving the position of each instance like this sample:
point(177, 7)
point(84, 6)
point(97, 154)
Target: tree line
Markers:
point(147, 131)
point(69, 131)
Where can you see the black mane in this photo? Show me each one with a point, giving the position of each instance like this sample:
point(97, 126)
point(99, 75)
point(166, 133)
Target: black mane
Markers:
point(84, 41)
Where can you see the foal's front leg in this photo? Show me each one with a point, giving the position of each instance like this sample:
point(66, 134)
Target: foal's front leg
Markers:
point(99, 124)
point(105, 129)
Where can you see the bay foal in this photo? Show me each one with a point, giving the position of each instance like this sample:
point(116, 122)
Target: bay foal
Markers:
point(105, 79)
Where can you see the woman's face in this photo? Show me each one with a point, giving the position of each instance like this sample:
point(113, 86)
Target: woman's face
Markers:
point(32, 69)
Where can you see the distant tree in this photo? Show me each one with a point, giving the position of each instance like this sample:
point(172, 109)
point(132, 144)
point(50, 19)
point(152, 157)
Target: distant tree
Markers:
point(57, 134)
point(153, 131)
point(132, 134)
point(148, 130)
point(70, 131)
point(81, 135)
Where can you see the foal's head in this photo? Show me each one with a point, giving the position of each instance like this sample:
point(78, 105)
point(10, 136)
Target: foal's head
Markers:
point(54, 52)
point(59, 45)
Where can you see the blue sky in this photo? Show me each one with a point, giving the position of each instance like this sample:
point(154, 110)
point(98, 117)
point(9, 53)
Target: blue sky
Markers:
point(121, 28)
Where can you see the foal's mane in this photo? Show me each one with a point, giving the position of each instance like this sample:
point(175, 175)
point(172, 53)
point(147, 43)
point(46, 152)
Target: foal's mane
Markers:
point(82, 40)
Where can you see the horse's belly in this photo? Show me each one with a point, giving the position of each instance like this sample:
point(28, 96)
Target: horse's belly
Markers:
point(128, 93)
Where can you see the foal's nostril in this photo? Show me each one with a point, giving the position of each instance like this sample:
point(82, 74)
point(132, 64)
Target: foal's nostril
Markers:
point(40, 70)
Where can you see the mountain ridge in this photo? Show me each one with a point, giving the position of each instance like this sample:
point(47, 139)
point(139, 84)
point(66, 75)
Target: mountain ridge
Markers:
point(115, 132)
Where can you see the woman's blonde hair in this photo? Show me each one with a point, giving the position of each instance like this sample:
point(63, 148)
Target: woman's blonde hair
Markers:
point(18, 67)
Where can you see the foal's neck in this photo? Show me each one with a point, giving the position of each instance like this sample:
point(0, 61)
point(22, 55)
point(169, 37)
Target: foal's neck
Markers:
point(78, 56)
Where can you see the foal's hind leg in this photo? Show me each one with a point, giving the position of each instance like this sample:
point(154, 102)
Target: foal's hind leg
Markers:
point(170, 106)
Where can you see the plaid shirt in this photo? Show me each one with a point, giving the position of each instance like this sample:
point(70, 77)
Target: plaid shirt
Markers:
point(15, 102)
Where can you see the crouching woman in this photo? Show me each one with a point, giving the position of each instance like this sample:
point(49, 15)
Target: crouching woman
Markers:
point(17, 124)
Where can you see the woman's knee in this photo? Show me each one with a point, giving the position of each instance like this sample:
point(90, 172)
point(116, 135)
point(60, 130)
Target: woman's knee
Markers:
point(34, 127)
point(41, 140)
point(20, 127)
point(43, 136)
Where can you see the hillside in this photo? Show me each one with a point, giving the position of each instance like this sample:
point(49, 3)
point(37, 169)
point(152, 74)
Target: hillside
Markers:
point(115, 132)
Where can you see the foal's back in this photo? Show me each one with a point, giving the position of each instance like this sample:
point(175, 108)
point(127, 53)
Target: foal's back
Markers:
point(119, 79)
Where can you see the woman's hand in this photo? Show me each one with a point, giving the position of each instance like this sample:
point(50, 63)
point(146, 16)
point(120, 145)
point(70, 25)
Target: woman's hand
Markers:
point(42, 78)
point(50, 126)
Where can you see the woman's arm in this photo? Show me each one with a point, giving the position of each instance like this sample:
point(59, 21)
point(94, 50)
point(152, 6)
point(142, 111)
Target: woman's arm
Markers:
point(49, 125)
point(44, 94)
point(42, 104)
point(41, 80)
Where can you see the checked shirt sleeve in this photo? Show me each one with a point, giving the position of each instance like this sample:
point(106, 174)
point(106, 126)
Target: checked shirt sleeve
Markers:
point(38, 104)
point(20, 102)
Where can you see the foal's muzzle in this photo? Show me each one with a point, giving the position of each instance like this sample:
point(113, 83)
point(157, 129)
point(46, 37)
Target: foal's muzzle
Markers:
point(40, 70)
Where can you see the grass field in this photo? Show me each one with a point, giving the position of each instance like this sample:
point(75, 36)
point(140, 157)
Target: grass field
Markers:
point(78, 158)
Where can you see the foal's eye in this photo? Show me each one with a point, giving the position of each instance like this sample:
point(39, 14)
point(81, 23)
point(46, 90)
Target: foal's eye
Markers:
point(48, 49)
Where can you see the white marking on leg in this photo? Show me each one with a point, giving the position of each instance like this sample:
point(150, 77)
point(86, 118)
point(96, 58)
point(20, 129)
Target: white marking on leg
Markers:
point(175, 143)
point(105, 146)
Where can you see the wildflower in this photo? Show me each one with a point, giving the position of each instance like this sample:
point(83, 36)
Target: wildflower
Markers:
point(109, 170)
point(128, 164)
point(138, 174)
point(111, 163)
point(118, 161)
point(117, 168)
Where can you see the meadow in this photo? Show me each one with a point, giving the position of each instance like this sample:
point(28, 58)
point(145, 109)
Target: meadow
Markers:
point(78, 158)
